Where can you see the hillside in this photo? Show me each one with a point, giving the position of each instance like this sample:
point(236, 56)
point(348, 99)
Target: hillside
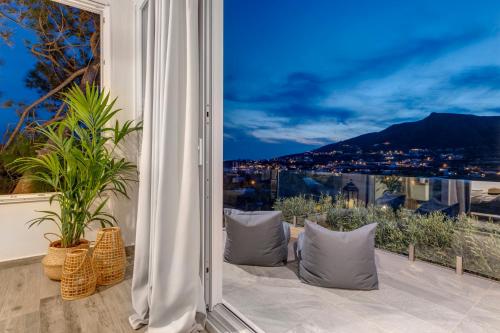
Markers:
point(437, 131)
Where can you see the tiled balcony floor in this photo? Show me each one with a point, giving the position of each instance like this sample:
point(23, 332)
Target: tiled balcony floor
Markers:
point(413, 297)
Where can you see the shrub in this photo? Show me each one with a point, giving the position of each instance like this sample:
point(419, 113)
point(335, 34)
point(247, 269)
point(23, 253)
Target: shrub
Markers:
point(390, 231)
point(299, 206)
point(480, 249)
point(324, 203)
point(303, 207)
point(436, 236)
point(343, 219)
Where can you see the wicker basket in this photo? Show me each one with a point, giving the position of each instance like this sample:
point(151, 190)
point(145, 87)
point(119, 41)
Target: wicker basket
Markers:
point(109, 256)
point(78, 278)
point(53, 261)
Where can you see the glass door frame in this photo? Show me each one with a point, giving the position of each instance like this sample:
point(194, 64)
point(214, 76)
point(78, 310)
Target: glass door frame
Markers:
point(212, 88)
point(210, 149)
point(212, 71)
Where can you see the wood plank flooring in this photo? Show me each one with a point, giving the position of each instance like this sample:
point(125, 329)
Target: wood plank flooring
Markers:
point(30, 302)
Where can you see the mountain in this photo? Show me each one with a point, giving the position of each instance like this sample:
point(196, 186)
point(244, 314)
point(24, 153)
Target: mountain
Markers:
point(436, 131)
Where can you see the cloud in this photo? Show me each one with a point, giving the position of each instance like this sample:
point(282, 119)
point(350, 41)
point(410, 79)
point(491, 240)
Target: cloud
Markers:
point(308, 86)
point(274, 129)
point(296, 87)
point(311, 112)
point(312, 133)
point(445, 83)
point(477, 77)
point(412, 51)
point(252, 119)
point(404, 83)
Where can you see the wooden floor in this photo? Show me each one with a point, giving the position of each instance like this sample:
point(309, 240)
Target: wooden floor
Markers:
point(30, 302)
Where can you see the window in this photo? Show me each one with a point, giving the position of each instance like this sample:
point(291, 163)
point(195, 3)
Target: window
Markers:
point(45, 47)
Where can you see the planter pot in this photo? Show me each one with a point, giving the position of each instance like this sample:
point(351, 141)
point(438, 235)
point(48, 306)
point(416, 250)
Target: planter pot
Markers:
point(54, 260)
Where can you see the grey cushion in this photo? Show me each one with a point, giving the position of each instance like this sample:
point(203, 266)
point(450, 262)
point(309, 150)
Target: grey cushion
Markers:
point(256, 238)
point(335, 259)
point(229, 211)
point(286, 230)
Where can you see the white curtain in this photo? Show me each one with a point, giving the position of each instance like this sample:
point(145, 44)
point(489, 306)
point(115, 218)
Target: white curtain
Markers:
point(166, 287)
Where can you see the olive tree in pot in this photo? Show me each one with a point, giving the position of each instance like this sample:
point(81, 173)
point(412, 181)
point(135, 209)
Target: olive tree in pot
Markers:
point(79, 162)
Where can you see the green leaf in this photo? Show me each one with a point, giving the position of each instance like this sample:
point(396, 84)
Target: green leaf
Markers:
point(80, 163)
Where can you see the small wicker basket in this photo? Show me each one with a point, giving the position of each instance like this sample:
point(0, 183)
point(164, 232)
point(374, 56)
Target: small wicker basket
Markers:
point(78, 278)
point(108, 257)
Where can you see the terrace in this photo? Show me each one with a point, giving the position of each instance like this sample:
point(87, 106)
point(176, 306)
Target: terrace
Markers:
point(412, 297)
point(421, 257)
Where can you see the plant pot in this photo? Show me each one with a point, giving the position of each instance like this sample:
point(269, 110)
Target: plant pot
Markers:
point(108, 258)
point(54, 260)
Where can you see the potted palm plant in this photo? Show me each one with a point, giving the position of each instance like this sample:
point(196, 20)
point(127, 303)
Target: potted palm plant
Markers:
point(79, 161)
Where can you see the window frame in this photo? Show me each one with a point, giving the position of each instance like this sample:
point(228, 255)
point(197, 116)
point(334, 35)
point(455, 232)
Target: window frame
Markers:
point(212, 111)
point(103, 9)
point(213, 114)
point(139, 58)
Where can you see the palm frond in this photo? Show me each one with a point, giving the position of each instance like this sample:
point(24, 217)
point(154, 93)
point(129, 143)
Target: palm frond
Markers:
point(79, 162)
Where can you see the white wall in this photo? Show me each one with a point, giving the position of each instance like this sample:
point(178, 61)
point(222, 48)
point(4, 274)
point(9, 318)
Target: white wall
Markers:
point(16, 241)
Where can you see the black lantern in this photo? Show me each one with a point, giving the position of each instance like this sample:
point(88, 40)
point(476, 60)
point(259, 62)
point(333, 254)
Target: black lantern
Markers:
point(351, 194)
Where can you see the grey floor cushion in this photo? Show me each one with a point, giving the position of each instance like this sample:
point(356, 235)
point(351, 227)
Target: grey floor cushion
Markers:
point(334, 259)
point(256, 238)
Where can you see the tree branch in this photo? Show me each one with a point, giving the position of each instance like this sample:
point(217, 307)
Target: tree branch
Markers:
point(21, 24)
point(49, 57)
point(38, 101)
point(57, 116)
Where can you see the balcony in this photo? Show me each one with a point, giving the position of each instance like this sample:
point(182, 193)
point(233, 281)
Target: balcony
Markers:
point(412, 297)
point(423, 248)
point(436, 219)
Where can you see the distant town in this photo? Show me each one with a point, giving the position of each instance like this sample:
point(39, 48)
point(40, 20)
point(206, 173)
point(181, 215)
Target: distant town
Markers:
point(449, 163)
point(439, 160)
point(445, 145)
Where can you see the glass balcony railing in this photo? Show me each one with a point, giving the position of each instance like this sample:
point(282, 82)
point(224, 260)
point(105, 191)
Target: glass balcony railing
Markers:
point(445, 221)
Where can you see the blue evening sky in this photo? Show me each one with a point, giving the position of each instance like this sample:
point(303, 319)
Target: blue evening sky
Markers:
point(301, 74)
point(15, 63)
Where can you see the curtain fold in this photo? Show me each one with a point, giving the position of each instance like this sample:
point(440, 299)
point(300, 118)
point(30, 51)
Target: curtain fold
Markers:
point(166, 287)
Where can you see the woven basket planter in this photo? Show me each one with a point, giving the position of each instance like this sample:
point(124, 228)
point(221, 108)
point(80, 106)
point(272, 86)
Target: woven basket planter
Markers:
point(109, 256)
point(78, 277)
point(54, 260)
